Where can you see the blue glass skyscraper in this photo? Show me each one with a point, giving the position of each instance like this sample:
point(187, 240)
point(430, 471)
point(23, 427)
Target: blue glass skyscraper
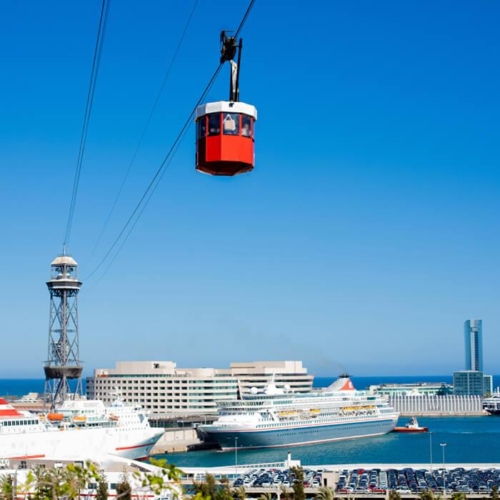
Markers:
point(473, 330)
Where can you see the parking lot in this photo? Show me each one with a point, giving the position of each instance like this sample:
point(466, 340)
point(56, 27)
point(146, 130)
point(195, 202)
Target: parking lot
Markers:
point(410, 481)
point(267, 478)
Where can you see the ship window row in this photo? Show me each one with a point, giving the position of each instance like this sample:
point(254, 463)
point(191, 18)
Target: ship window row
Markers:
point(291, 422)
point(18, 422)
point(317, 431)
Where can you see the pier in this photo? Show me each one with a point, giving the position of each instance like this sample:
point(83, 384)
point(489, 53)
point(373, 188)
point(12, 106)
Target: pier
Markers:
point(176, 439)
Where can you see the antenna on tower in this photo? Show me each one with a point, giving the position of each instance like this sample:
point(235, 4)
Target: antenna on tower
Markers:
point(63, 361)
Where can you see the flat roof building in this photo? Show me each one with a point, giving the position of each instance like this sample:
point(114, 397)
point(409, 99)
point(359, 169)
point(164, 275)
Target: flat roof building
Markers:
point(169, 391)
point(469, 383)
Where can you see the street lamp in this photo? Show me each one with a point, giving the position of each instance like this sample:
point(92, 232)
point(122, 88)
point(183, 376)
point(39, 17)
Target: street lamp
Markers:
point(278, 491)
point(236, 455)
point(430, 449)
point(443, 446)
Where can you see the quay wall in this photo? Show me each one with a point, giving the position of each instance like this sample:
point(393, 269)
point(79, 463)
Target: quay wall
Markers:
point(176, 439)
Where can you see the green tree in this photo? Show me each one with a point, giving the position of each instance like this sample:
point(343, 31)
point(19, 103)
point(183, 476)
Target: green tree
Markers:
point(7, 487)
point(394, 495)
point(167, 478)
point(123, 489)
point(213, 490)
point(240, 493)
point(458, 496)
point(494, 492)
point(224, 490)
point(298, 483)
point(59, 482)
point(324, 493)
point(207, 488)
point(102, 489)
point(427, 495)
point(266, 496)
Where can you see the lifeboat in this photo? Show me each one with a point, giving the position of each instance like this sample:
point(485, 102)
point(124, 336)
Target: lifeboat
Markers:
point(55, 417)
point(225, 129)
point(412, 427)
point(79, 419)
point(114, 418)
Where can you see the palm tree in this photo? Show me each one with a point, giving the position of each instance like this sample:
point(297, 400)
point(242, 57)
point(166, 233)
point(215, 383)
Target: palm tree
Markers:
point(168, 478)
point(240, 493)
point(207, 488)
point(266, 496)
point(427, 495)
point(6, 487)
point(324, 493)
point(123, 489)
point(102, 489)
point(298, 483)
point(394, 495)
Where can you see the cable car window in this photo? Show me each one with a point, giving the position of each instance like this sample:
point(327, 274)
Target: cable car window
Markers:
point(246, 126)
point(202, 127)
point(214, 124)
point(231, 124)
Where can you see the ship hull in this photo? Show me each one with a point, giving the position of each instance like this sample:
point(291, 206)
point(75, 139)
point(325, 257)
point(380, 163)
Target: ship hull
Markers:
point(411, 431)
point(494, 413)
point(79, 444)
point(228, 438)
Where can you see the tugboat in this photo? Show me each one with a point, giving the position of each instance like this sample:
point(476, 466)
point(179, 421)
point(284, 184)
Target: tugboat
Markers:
point(412, 426)
point(492, 404)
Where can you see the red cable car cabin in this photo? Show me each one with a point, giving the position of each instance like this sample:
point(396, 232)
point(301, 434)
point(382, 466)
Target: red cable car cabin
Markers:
point(225, 138)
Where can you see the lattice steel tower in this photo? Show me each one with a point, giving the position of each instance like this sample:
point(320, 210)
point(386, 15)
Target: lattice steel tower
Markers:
point(63, 362)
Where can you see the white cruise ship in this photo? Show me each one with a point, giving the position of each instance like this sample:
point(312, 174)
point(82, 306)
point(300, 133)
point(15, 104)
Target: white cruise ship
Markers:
point(79, 430)
point(278, 418)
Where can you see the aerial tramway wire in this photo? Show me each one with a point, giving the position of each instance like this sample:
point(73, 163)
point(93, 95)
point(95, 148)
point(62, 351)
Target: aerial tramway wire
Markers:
point(144, 200)
point(151, 188)
point(146, 126)
point(103, 21)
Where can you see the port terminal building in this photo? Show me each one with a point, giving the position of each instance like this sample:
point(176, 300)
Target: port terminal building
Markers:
point(172, 392)
point(414, 389)
point(431, 399)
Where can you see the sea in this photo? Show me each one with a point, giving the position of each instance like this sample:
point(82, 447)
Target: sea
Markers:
point(452, 440)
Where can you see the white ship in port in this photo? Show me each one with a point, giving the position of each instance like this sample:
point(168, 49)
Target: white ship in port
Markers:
point(79, 430)
point(278, 418)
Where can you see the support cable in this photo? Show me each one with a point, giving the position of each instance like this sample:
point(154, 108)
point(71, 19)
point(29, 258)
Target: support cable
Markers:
point(146, 127)
point(101, 32)
point(145, 198)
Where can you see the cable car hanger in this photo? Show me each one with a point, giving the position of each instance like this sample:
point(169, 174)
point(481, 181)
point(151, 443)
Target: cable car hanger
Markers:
point(225, 130)
point(228, 49)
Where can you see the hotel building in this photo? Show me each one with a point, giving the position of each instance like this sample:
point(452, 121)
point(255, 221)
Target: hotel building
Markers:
point(166, 390)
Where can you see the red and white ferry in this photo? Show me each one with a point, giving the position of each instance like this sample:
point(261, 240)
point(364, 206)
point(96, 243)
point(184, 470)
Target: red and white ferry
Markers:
point(81, 429)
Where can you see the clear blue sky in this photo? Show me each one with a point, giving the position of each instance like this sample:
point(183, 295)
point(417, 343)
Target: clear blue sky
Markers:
point(366, 235)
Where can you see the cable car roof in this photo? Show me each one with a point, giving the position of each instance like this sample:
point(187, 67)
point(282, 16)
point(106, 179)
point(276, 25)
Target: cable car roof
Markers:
point(226, 107)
